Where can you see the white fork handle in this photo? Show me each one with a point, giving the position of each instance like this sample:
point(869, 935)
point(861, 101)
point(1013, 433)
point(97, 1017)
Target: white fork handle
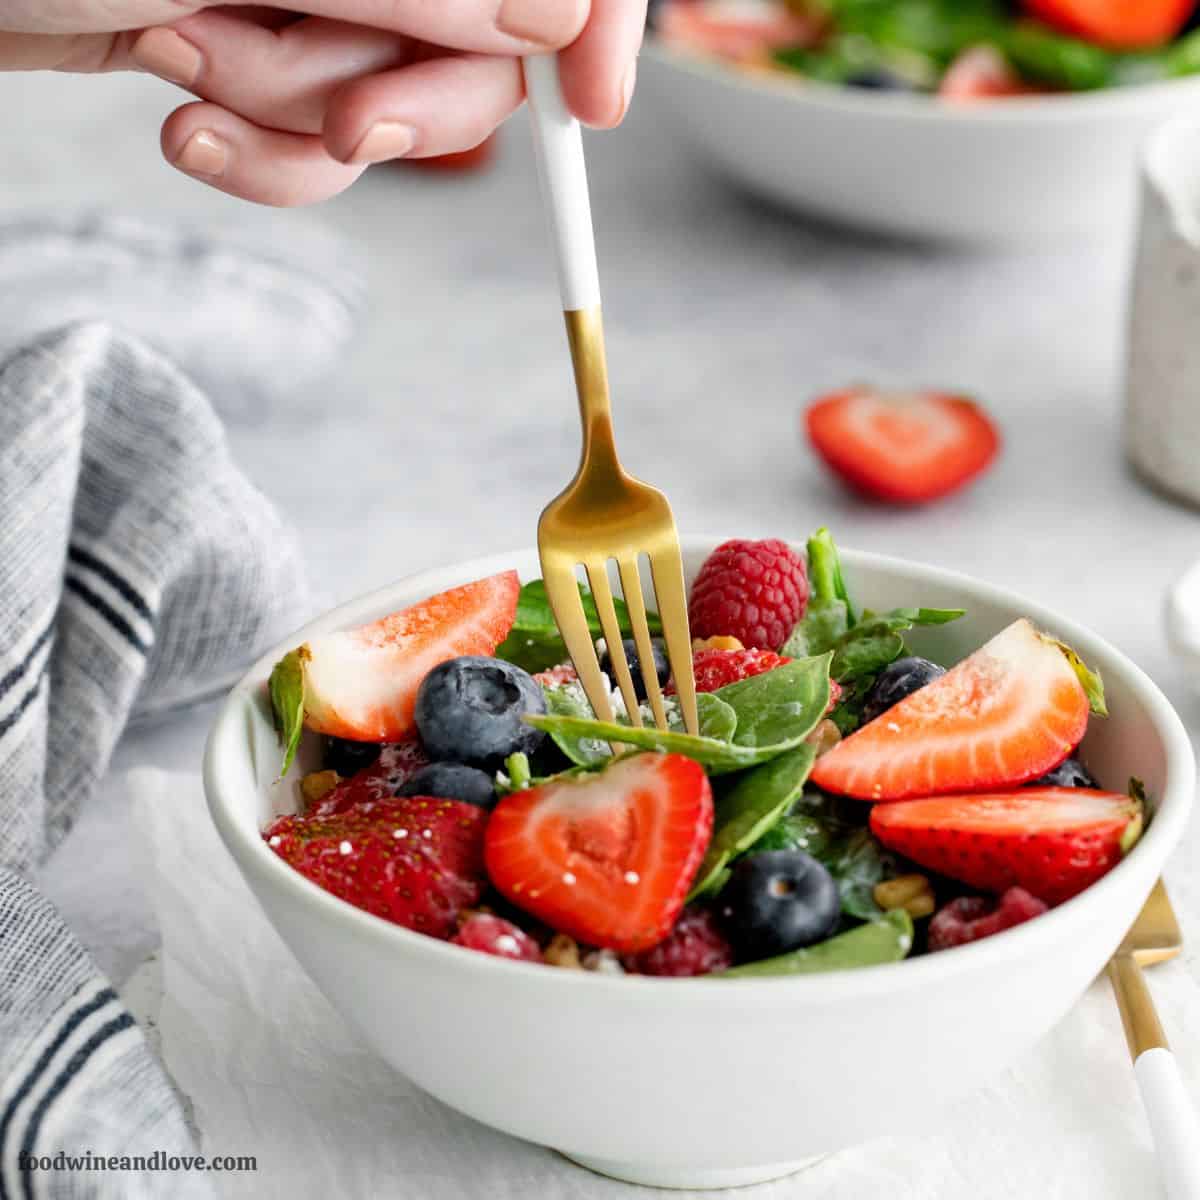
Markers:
point(1172, 1122)
point(563, 175)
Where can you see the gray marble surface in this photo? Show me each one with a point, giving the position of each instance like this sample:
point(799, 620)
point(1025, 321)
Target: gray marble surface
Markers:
point(453, 420)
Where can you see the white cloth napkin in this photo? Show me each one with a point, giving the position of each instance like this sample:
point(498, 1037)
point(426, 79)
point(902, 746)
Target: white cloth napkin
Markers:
point(271, 1070)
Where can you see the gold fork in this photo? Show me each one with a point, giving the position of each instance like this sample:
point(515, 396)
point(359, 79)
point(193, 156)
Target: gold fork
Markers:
point(604, 514)
point(1153, 938)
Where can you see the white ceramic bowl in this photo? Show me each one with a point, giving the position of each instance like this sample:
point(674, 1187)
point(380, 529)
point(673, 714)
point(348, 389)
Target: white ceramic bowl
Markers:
point(708, 1083)
point(1004, 169)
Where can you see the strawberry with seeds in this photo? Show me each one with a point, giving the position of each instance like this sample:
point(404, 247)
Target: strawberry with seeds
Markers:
point(607, 858)
point(417, 861)
point(1053, 842)
point(907, 448)
point(1006, 715)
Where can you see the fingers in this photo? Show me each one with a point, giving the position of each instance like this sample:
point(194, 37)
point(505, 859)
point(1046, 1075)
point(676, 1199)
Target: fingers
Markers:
point(598, 70)
point(263, 165)
point(281, 78)
point(439, 106)
point(482, 26)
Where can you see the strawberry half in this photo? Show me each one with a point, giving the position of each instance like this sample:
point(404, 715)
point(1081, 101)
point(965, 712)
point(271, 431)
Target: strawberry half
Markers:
point(1053, 842)
point(1118, 24)
point(907, 448)
point(607, 859)
point(417, 861)
point(1004, 716)
point(362, 683)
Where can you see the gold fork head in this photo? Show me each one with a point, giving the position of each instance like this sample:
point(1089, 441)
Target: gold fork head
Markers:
point(605, 515)
point(1154, 936)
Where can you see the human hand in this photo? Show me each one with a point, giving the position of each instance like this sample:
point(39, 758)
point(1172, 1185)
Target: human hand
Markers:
point(295, 104)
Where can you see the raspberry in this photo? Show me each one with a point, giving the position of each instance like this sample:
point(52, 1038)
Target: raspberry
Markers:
point(695, 946)
point(557, 676)
point(396, 764)
point(715, 668)
point(494, 935)
point(970, 918)
point(753, 591)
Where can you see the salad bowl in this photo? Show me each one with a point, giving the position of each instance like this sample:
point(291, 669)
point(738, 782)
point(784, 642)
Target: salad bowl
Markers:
point(998, 170)
point(708, 1082)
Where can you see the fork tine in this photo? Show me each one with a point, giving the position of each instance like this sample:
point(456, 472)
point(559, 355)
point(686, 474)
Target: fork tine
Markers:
point(666, 568)
point(597, 573)
point(562, 590)
point(631, 588)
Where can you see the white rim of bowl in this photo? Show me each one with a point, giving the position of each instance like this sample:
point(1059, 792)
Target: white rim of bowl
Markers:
point(1065, 106)
point(253, 854)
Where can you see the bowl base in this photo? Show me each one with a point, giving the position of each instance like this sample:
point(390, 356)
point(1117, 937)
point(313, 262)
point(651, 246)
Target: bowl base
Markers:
point(691, 1178)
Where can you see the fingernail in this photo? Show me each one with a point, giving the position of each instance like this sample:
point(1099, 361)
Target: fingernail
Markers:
point(627, 85)
point(524, 19)
point(164, 53)
point(384, 140)
point(203, 154)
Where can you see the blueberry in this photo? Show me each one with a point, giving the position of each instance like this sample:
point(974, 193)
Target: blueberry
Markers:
point(662, 668)
point(469, 710)
point(452, 781)
point(897, 680)
point(878, 79)
point(778, 901)
point(1069, 773)
point(348, 758)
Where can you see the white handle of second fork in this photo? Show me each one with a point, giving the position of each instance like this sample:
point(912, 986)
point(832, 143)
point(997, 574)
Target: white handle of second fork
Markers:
point(559, 148)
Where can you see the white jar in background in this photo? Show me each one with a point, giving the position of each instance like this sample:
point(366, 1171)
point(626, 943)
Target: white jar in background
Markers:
point(1162, 413)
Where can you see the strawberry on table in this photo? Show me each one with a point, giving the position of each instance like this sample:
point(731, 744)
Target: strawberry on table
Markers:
point(608, 858)
point(361, 684)
point(1053, 842)
point(752, 591)
point(1118, 24)
point(417, 861)
point(904, 447)
point(1004, 716)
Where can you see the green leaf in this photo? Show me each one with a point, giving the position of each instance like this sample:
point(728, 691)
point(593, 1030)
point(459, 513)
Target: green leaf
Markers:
point(796, 831)
point(1093, 685)
point(781, 705)
point(829, 613)
point(534, 643)
point(848, 714)
point(717, 721)
point(287, 702)
point(885, 940)
point(1041, 54)
point(858, 863)
point(755, 803)
point(875, 641)
point(716, 756)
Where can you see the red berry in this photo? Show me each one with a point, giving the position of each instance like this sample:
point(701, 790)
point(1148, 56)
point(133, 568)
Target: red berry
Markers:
point(696, 946)
point(753, 591)
point(970, 918)
point(714, 669)
point(395, 766)
point(557, 676)
point(495, 935)
point(416, 861)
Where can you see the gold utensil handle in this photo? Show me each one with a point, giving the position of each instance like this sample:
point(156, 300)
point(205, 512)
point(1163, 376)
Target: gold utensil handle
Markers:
point(1143, 1029)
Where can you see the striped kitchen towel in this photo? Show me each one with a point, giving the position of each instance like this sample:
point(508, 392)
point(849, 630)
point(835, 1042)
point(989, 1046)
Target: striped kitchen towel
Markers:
point(138, 566)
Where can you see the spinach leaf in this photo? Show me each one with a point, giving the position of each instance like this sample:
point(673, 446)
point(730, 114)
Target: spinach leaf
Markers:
point(848, 714)
point(797, 831)
point(885, 940)
point(534, 643)
point(752, 806)
point(780, 705)
point(590, 748)
point(875, 641)
point(857, 864)
point(829, 613)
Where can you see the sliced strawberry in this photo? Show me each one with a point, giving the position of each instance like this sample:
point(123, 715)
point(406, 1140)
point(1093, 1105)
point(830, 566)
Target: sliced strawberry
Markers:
point(1119, 24)
point(981, 73)
point(607, 859)
point(908, 447)
point(1002, 717)
point(734, 29)
point(417, 861)
point(396, 765)
point(362, 683)
point(1052, 842)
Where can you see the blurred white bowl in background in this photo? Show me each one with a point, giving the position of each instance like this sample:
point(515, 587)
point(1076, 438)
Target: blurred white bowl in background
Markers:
point(913, 165)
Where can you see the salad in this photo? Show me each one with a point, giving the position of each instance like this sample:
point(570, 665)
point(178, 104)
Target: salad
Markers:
point(959, 49)
point(844, 803)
